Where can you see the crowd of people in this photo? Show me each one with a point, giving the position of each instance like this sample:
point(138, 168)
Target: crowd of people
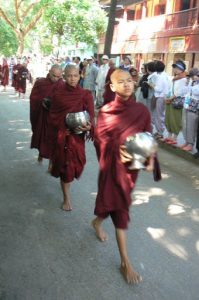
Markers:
point(127, 103)
point(172, 102)
point(156, 90)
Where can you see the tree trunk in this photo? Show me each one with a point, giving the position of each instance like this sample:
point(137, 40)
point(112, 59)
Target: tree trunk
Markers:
point(20, 46)
point(110, 28)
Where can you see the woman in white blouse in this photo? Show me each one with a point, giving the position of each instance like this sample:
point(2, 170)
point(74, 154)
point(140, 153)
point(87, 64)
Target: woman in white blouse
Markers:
point(173, 116)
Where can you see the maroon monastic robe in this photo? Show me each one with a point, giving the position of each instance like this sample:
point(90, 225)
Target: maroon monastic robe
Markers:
point(5, 74)
point(68, 156)
point(21, 77)
point(116, 121)
point(0, 72)
point(14, 76)
point(42, 88)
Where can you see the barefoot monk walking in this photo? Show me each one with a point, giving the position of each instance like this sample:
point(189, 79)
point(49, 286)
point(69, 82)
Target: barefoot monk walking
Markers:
point(116, 121)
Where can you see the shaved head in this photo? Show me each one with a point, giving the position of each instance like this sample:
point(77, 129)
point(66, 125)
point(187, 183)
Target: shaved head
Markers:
point(56, 67)
point(122, 83)
point(55, 73)
point(71, 74)
point(70, 68)
point(119, 73)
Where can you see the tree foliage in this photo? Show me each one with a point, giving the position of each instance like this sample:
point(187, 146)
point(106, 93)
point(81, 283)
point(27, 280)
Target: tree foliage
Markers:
point(8, 40)
point(22, 16)
point(70, 20)
point(76, 20)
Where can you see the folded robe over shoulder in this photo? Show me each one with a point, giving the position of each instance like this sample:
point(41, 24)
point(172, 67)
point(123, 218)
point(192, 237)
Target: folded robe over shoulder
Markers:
point(116, 121)
point(42, 88)
point(68, 156)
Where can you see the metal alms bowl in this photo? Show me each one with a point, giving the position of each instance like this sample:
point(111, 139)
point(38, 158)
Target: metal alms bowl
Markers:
point(141, 146)
point(76, 119)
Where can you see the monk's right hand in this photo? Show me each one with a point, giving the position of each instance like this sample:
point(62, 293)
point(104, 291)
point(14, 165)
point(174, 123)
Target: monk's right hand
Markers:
point(124, 155)
point(87, 127)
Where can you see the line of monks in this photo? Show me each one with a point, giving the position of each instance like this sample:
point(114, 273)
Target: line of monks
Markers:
point(19, 76)
point(50, 100)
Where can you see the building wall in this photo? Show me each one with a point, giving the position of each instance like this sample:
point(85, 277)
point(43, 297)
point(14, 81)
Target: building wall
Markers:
point(167, 37)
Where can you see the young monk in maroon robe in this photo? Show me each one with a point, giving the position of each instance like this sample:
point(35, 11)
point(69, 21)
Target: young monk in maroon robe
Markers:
point(5, 74)
point(68, 156)
point(22, 76)
point(116, 121)
point(43, 88)
point(14, 74)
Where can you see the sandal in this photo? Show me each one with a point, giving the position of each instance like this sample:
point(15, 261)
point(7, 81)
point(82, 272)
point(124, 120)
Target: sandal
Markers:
point(187, 148)
point(171, 142)
point(166, 140)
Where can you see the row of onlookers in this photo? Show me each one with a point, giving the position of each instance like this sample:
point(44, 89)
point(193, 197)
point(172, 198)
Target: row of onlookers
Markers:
point(173, 102)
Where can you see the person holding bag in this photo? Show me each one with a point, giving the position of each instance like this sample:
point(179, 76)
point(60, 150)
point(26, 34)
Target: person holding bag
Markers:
point(173, 116)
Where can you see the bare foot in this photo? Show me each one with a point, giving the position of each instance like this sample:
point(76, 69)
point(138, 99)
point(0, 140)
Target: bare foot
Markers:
point(50, 166)
point(187, 148)
point(100, 233)
point(39, 159)
point(67, 206)
point(129, 274)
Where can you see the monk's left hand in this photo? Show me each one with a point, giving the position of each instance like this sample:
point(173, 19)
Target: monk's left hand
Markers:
point(124, 155)
point(87, 127)
point(150, 165)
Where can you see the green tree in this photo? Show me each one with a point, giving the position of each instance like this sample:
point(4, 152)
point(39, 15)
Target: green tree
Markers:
point(8, 40)
point(22, 16)
point(76, 20)
point(71, 20)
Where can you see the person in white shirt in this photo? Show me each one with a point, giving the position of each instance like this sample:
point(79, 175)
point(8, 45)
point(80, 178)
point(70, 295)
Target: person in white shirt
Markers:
point(191, 111)
point(90, 76)
point(161, 90)
point(100, 81)
point(151, 81)
point(127, 64)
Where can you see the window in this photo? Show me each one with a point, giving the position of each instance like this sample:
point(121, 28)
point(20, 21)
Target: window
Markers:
point(182, 5)
point(159, 9)
point(185, 4)
point(130, 14)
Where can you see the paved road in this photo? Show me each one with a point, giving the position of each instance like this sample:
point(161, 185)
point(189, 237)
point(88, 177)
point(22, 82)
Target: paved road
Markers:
point(51, 255)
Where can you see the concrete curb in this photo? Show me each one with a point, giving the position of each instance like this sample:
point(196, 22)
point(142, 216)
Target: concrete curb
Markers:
point(178, 152)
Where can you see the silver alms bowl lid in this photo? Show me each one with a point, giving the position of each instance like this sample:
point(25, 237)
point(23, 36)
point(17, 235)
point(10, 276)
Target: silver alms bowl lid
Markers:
point(141, 146)
point(77, 119)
